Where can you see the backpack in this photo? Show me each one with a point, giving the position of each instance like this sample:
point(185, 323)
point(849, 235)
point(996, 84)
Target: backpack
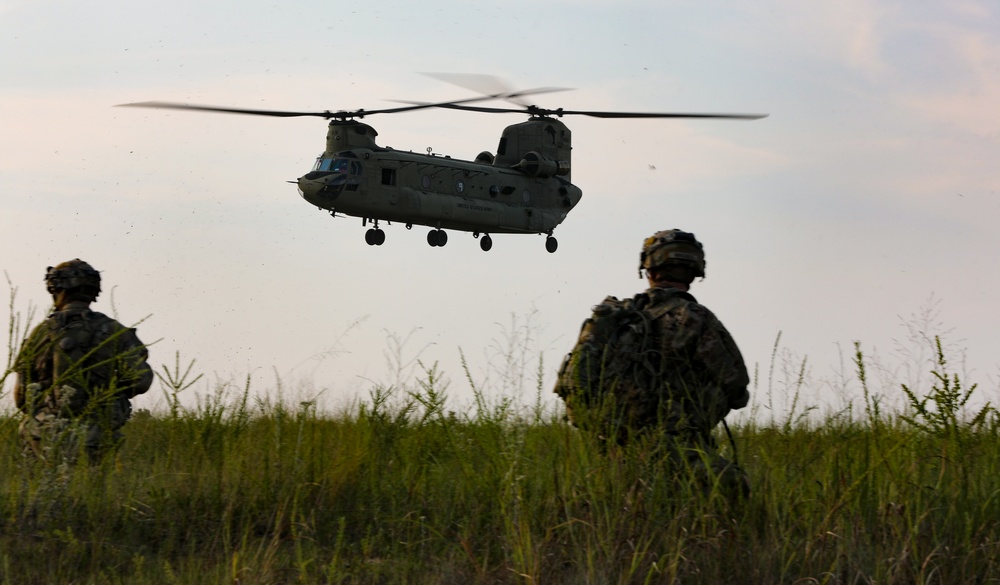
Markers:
point(83, 356)
point(612, 375)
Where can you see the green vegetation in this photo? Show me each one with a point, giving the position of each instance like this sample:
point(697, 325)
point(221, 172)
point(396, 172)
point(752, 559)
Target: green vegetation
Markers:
point(398, 489)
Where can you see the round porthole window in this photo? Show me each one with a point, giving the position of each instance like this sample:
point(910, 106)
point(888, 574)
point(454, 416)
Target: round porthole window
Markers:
point(459, 186)
point(425, 182)
point(526, 196)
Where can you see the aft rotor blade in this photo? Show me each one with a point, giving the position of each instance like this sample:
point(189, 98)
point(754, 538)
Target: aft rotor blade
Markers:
point(536, 111)
point(658, 115)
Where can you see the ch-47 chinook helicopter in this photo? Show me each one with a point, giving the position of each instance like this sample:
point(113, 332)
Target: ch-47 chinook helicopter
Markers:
point(524, 188)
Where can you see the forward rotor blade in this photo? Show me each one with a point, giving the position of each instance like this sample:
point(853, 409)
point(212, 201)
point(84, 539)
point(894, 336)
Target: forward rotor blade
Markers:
point(198, 108)
point(342, 114)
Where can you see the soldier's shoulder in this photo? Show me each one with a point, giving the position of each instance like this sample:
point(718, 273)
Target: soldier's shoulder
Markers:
point(44, 326)
point(111, 327)
point(36, 339)
point(661, 299)
point(105, 320)
point(701, 309)
point(705, 315)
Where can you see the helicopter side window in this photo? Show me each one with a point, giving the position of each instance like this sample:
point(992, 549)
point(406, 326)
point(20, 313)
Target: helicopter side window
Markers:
point(355, 167)
point(388, 176)
point(339, 165)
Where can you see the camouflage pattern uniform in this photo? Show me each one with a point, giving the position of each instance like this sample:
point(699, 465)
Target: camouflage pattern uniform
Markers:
point(694, 375)
point(703, 377)
point(76, 372)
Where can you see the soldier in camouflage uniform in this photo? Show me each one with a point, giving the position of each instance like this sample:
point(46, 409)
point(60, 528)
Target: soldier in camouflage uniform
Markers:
point(77, 371)
point(688, 374)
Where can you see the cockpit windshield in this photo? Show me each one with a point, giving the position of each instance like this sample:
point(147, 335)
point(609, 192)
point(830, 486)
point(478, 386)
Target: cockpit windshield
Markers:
point(335, 165)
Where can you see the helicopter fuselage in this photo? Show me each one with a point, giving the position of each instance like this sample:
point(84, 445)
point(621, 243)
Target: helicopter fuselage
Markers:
point(437, 191)
point(517, 191)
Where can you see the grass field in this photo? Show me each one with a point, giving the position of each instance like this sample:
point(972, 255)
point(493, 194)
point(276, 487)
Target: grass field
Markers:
point(397, 489)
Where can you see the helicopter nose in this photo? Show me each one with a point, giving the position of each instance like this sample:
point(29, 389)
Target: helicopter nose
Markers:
point(309, 190)
point(320, 189)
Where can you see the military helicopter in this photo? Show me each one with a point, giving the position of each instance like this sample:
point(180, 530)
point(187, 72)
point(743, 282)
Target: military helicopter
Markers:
point(524, 188)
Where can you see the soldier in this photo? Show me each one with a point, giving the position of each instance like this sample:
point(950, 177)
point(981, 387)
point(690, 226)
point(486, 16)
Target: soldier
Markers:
point(660, 365)
point(77, 371)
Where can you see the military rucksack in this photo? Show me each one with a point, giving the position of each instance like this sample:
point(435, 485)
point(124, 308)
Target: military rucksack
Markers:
point(83, 356)
point(611, 378)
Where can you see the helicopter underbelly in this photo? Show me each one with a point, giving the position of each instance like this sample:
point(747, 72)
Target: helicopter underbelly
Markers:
point(449, 212)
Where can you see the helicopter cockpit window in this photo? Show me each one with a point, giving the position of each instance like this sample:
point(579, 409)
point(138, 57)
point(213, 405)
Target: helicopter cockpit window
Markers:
point(336, 165)
point(355, 167)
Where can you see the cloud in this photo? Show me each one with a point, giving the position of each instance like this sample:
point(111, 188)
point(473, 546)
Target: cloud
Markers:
point(969, 105)
point(850, 33)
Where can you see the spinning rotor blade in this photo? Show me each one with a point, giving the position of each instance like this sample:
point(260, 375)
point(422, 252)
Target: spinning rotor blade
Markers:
point(490, 85)
point(536, 111)
point(658, 115)
point(180, 106)
point(343, 115)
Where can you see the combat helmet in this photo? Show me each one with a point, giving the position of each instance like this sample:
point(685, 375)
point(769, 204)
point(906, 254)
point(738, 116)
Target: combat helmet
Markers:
point(73, 274)
point(672, 247)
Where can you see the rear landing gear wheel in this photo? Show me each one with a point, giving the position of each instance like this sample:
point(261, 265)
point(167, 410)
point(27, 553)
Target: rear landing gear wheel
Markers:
point(551, 244)
point(437, 238)
point(486, 243)
point(370, 237)
point(375, 237)
point(379, 237)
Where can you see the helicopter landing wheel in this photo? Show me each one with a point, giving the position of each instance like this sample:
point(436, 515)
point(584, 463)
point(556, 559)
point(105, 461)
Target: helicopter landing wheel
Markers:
point(486, 243)
point(378, 237)
point(551, 245)
point(370, 237)
point(437, 238)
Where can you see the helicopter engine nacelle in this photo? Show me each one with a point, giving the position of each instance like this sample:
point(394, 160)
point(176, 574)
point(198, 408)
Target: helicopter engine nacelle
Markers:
point(535, 165)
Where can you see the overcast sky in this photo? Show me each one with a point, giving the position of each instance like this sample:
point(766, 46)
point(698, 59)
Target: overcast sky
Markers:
point(865, 202)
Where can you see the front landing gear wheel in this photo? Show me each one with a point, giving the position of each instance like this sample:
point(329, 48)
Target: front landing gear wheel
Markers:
point(437, 238)
point(486, 243)
point(551, 245)
point(375, 237)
